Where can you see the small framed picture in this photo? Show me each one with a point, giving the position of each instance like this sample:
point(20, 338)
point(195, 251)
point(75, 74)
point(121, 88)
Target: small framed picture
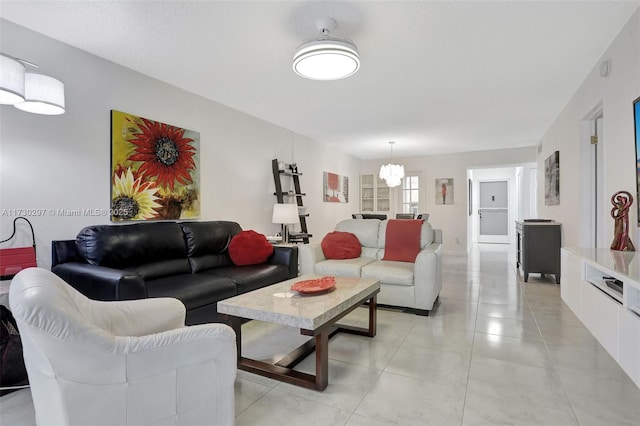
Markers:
point(444, 191)
point(552, 179)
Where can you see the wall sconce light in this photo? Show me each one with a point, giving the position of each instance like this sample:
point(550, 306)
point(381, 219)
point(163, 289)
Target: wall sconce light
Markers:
point(27, 91)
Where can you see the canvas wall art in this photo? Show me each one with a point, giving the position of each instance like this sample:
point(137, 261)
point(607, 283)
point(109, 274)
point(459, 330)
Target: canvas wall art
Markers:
point(335, 188)
point(155, 173)
point(636, 132)
point(552, 179)
point(444, 191)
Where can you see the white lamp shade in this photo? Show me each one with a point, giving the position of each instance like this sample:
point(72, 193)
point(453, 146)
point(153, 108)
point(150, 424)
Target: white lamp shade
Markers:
point(43, 95)
point(11, 81)
point(326, 59)
point(392, 174)
point(285, 213)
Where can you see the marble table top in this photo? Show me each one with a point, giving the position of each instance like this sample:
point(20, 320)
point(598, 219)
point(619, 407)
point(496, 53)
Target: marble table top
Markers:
point(278, 304)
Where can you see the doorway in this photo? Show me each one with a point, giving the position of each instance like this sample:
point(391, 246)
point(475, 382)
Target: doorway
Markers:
point(493, 211)
point(521, 199)
point(593, 201)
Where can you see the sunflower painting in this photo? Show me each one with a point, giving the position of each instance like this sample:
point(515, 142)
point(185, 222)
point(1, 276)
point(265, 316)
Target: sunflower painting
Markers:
point(155, 172)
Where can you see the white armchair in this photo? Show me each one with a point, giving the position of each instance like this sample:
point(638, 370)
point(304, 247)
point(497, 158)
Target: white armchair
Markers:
point(120, 363)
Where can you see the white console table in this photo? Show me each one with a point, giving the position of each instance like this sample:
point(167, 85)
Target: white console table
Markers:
point(613, 318)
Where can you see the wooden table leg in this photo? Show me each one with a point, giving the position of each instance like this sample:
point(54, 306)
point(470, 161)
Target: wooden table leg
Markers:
point(236, 324)
point(322, 360)
point(373, 309)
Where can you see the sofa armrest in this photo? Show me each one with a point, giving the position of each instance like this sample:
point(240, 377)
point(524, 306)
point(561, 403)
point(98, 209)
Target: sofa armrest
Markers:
point(102, 283)
point(310, 254)
point(63, 251)
point(139, 317)
point(428, 276)
point(285, 255)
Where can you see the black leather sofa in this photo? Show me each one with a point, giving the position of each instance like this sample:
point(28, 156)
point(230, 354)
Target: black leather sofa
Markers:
point(185, 260)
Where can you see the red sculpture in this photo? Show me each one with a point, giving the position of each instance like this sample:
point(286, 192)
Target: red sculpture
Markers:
point(621, 201)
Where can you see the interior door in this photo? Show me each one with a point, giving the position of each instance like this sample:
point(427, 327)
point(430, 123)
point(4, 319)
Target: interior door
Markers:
point(493, 211)
point(597, 196)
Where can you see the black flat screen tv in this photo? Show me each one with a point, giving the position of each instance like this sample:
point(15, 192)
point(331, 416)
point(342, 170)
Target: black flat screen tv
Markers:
point(636, 132)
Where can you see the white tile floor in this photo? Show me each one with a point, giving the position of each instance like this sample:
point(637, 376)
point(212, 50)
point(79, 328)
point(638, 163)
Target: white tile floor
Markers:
point(496, 351)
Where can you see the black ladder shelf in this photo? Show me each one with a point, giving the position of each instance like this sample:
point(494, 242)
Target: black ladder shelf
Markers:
point(291, 171)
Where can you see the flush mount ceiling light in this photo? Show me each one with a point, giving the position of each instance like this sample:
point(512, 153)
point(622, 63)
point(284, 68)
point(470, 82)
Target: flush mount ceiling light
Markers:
point(392, 173)
point(42, 95)
point(326, 58)
point(11, 80)
point(27, 91)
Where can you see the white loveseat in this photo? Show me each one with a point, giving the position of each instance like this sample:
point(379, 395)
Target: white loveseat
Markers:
point(410, 285)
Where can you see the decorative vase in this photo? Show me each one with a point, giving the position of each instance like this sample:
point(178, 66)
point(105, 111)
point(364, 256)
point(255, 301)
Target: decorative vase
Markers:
point(621, 201)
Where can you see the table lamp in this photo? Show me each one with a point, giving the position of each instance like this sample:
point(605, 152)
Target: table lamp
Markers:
point(285, 214)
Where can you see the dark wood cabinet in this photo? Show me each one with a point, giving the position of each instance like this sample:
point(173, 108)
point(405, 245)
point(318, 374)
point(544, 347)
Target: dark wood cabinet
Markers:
point(538, 248)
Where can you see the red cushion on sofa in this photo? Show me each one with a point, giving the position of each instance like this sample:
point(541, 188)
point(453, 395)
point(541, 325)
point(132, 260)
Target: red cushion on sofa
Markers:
point(249, 248)
point(402, 240)
point(341, 245)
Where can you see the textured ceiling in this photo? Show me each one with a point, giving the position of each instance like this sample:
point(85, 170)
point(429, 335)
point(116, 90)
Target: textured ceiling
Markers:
point(436, 77)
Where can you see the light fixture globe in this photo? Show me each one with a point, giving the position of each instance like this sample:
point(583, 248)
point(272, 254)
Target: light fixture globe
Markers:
point(326, 59)
point(392, 173)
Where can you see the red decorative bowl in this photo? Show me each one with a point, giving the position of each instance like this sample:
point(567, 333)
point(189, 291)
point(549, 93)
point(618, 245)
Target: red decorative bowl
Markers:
point(315, 286)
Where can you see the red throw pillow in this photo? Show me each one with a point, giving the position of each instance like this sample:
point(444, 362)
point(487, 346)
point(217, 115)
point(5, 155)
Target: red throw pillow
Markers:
point(402, 240)
point(249, 248)
point(341, 245)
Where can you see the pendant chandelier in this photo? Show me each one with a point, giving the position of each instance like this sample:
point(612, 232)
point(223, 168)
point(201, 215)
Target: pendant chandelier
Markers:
point(326, 58)
point(392, 173)
point(28, 91)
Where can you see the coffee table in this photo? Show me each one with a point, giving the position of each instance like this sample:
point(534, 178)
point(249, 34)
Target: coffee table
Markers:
point(314, 315)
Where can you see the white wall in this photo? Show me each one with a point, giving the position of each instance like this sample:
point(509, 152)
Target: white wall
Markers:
point(615, 93)
point(528, 192)
point(63, 162)
point(452, 219)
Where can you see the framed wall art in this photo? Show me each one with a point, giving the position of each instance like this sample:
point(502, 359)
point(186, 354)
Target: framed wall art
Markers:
point(636, 132)
point(155, 173)
point(335, 188)
point(444, 191)
point(552, 179)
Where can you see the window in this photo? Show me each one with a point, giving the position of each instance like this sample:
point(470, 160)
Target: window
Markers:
point(410, 194)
